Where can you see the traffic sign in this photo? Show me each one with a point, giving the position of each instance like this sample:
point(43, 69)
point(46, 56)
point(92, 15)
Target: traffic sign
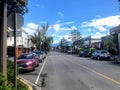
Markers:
point(19, 21)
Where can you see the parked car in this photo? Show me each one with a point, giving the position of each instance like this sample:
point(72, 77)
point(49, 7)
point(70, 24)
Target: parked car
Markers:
point(35, 57)
point(115, 58)
point(26, 62)
point(69, 51)
point(85, 53)
point(40, 55)
point(44, 54)
point(100, 54)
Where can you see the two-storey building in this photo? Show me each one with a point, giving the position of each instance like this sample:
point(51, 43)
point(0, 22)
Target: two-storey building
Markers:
point(21, 42)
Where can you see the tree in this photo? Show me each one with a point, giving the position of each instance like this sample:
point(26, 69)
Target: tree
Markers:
point(109, 44)
point(63, 44)
point(20, 6)
point(75, 35)
point(46, 46)
point(41, 41)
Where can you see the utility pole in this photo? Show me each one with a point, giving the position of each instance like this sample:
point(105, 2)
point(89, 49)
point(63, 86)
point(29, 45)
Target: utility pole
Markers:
point(3, 38)
point(15, 63)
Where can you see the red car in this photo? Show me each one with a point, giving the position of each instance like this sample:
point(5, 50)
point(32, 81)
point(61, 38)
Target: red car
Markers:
point(36, 58)
point(26, 62)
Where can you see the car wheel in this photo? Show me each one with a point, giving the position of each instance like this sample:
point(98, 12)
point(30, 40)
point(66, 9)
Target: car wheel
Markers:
point(33, 69)
point(83, 55)
point(92, 57)
point(116, 62)
point(98, 57)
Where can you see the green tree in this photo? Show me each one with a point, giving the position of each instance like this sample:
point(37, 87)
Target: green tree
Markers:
point(20, 6)
point(75, 35)
point(109, 44)
point(41, 40)
point(46, 46)
point(63, 44)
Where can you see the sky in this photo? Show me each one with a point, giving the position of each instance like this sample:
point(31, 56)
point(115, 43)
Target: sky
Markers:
point(91, 17)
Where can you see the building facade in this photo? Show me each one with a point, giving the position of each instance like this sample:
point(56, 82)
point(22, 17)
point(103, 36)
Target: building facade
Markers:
point(21, 42)
point(116, 34)
point(92, 42)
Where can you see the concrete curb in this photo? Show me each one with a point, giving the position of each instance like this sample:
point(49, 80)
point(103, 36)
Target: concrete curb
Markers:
point(22, 80)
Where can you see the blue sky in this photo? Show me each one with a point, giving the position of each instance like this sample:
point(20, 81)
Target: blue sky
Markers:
point(90, 17)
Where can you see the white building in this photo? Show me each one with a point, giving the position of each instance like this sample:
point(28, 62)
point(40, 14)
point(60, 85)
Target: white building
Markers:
point(21, 39)
point(21, 42)
point(91, 41)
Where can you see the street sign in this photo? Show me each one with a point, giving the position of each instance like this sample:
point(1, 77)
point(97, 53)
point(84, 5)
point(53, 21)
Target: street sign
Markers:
point(19, 21)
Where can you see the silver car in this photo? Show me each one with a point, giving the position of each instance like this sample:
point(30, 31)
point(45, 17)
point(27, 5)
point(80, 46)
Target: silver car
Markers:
point(100, 54)
point(115, 58)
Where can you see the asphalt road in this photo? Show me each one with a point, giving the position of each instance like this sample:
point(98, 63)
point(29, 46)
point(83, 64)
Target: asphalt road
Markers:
point(70, 72)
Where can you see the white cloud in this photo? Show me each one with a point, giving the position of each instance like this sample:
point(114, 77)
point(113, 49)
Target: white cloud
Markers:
point(57, 27)
point(67, 23)
point(31, 28)
point(60, 27)
point(60, 14)
point(97, 35)
point(65, 28)
point(55, 42)
point(32, 25)
point(58, 21)
point(60, 37)
point(102, 23)
point(73, 28)
point(29, 31)
point(101, 28)
point(89, 29)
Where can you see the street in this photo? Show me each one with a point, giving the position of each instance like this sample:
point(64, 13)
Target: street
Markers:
point(71, 72)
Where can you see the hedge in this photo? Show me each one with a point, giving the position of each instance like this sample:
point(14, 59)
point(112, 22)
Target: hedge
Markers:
point(7, 83)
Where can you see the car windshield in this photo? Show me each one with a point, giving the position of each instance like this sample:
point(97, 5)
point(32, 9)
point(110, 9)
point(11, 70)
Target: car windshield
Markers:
point(104, 52)
point(25, 56)
point(38, 53)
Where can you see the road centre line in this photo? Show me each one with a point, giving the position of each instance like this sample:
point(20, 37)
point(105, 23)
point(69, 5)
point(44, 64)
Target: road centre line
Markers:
point(41, 70)
point(100, 74)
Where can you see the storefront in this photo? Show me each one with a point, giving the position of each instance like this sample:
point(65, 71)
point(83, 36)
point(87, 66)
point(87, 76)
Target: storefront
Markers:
point(116, 34)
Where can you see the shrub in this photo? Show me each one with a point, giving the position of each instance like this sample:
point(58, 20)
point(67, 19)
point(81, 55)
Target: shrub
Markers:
point(80, 49)
point(2, 79)
point(10, 77)
point(10, 71)
point(3, 82)
point(92, 49)
point(21, 86)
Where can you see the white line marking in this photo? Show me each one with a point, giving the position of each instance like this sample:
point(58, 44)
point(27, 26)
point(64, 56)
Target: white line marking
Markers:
point(41, 70)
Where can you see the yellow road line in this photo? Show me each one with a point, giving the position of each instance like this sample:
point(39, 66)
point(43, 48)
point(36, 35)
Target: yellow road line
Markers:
point(100, 74)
